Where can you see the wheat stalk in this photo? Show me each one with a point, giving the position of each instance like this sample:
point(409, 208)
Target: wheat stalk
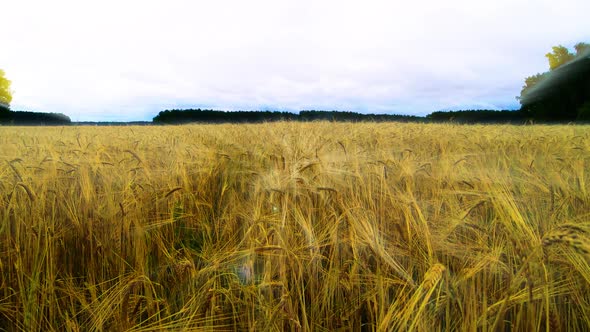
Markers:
point(27, 190)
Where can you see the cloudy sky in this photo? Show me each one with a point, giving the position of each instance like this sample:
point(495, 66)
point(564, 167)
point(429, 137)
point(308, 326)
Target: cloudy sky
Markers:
point(128, 60)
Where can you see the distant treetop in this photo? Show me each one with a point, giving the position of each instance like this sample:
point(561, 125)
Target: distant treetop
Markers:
point(561, 55)
point(5, 92)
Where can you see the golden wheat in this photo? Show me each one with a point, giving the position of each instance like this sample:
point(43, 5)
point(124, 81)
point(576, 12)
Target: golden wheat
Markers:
point(570, 235)
point(433, 276)
point(295, 226)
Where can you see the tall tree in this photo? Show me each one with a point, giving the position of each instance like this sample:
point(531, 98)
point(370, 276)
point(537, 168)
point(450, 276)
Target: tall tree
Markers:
point(560, 56)
point(557, 58)
point(5, 92)
point(561, 94)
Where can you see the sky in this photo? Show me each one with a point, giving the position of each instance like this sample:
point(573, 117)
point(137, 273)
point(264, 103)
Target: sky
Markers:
point(127, 60)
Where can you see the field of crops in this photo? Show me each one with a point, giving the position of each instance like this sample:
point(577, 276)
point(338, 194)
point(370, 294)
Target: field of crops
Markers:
point(296, 227)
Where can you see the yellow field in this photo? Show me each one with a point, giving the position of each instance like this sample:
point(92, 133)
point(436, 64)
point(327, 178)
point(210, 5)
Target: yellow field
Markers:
point(295, 226)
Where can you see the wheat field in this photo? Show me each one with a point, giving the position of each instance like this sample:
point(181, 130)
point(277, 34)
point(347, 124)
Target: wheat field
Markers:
point(295, 227)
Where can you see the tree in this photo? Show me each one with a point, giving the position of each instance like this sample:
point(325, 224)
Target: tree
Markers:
point(560, 56)
point(5, 93)
point(562, 93)
point(582, 49)
point(530, 82)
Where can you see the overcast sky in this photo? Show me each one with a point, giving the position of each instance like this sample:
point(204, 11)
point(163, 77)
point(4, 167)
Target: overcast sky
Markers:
point(128, 60)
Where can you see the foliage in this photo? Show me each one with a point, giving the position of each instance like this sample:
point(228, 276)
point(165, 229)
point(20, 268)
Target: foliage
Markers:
point(582, 49)
point(584, 112)
point(558, 95)
point(5, 92)
point(560, 56)
point(530, 82)
point(295, 226)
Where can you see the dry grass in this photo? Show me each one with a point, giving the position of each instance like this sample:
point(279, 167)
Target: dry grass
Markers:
point(295, 226)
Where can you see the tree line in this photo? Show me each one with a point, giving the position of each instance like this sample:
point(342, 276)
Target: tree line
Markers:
point(480, 116)
point(32, 118)
point(218, 116)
